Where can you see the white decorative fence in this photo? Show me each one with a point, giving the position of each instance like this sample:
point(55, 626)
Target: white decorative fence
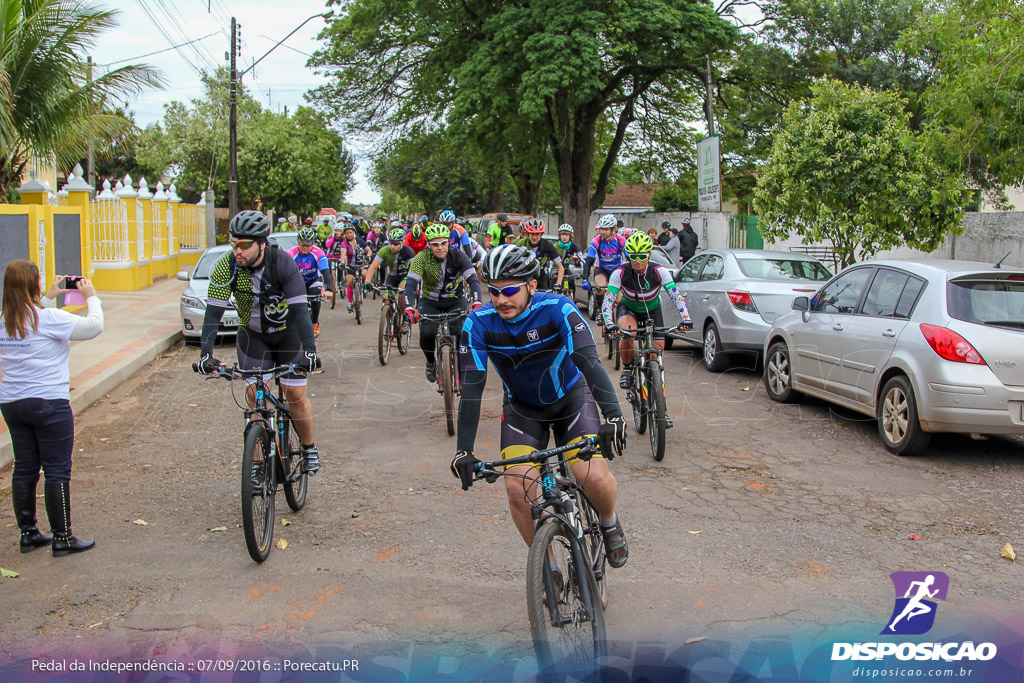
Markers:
point(110, 231)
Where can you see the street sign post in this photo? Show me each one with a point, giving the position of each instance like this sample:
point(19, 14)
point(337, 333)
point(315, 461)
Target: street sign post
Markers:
point(709, 178)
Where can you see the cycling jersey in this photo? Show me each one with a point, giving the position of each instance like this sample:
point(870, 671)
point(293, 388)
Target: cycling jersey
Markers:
point(416, 245)
point(441, 280)
point(398, 264)
point(610, 254)
point(567, 251)
point(310, 264)
point(251, 287)
point(531, 351)
point(544, 250)
point(338, 249)
point(640, 290)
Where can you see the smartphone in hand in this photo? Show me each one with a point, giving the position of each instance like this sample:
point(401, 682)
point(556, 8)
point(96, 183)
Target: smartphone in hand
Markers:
point(73, 297)
point(71, 282)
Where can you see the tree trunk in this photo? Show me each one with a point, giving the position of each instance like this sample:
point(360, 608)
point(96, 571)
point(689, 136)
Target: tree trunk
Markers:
point(528, 190)
point(572, 145)
point(12, 170)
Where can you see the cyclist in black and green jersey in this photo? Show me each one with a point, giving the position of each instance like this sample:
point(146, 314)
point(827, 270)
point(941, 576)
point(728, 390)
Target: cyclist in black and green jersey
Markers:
point(440, 274)
point(397, 257)
point(273, 321)
point(635, 288)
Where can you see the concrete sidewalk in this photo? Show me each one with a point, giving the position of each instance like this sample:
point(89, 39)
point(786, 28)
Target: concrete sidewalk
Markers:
point(137, 327)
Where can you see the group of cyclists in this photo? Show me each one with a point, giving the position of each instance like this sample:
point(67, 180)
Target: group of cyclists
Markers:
point(536, 339)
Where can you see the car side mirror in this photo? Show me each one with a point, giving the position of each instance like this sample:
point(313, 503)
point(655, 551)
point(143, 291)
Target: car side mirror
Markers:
point(801, 303)
point(182, 275)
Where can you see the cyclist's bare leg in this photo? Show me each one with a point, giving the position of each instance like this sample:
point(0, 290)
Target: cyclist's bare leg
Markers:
point(302, 412)
point(628, 323)
point(520, 492)
point(600, 280)
point(600, 485)
point(348, 286)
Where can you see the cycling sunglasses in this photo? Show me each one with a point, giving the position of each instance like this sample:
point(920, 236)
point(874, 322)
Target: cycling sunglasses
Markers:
point(242, 244)
point(639, 257)
point(394, 243)
point(438, 243)
point(509, 291)
point(307, 243)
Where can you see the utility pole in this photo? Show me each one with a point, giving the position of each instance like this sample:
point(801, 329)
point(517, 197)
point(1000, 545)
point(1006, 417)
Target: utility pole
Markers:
point(232, 132)
point(710, 101)
point(91, 158)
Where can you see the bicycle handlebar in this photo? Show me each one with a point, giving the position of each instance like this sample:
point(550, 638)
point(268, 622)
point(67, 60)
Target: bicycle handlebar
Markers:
point(488, 471)
point(441, 317)
point(224, 372)
point(630, 335)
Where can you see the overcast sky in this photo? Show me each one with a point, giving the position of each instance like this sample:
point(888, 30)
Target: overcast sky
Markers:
point(279, 81)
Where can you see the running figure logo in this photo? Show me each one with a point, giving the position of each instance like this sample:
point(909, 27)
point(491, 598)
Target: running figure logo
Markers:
point(916, 595)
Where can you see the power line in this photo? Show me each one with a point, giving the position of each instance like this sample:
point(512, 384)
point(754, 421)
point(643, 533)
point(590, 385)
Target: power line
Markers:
point(166, 49)
point(159, 27)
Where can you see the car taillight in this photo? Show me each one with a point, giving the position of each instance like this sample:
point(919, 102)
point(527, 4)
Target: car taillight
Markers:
point(950, 345)
point(742, 301)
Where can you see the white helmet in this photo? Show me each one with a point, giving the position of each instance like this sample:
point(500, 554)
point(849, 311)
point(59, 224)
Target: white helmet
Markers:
point(607, 221)
point(565, 227)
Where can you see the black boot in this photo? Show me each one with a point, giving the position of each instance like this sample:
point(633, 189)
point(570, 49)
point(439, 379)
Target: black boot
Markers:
point(58, 509)
point(23, 494)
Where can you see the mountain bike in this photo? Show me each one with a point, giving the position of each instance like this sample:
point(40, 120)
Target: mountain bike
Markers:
point(265, 460)
point(339, 279)
point(357, 289)
point(647, 394)
point(565, 570)
point(394, 327)
point(447, 361)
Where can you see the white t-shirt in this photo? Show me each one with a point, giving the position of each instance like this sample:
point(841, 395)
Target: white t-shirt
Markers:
point(37, 366)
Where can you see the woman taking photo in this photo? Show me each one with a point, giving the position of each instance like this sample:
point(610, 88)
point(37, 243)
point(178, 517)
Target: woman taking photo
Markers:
point(35, 398)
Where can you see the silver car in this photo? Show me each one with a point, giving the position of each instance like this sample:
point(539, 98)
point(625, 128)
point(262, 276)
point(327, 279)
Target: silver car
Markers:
point(920, 346)
point(285, 240)
point(734, 295)
point(193, 299)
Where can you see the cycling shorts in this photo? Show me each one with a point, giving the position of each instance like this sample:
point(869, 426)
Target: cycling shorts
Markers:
point(640, 318)
point(525, 429)
point(601, 271)
point(396, 281)
point(257, 350)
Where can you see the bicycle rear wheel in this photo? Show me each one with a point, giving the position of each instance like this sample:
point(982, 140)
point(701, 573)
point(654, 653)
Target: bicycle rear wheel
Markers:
point(385, 332)
point(257, 493)
point(639, 403)
point(446, 371)
point(656, 404)
point(568, 635)
point(295, 480)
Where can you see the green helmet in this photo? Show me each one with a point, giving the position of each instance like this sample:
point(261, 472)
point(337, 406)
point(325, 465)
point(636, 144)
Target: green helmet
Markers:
point(639, 243)
point(396, 234)
point(307, 236)
point(436, 231)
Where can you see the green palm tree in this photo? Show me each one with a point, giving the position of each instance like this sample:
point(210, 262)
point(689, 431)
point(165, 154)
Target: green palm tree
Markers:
point(49, 104)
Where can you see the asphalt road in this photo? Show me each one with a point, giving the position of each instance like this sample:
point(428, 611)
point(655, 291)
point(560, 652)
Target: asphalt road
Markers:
point(762, 521)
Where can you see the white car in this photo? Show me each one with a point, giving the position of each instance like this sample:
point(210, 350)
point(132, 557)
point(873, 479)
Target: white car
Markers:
point(193, 299)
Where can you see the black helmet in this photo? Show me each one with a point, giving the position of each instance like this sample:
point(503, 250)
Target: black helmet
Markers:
point(510, 262)
point(666, 224)
point(502, 217)
point(252, 224)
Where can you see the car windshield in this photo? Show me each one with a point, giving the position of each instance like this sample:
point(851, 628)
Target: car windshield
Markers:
point(285, 240)
point(782, 268)
point(206, 264)
point(659, 257)
point(987, 301)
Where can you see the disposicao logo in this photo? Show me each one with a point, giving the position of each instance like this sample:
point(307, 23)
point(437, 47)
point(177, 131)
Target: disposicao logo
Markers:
point(913, 614)
point(916, 595)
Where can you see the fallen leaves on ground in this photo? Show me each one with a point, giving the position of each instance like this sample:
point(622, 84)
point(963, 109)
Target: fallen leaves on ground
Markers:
point(286, 522)
point(1008, 552)
point(140, 522)
point(219, 528)
point(8, 574)
point(281, 543)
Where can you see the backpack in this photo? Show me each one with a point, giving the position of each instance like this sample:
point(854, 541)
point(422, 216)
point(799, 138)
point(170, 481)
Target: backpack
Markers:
point(270, 257)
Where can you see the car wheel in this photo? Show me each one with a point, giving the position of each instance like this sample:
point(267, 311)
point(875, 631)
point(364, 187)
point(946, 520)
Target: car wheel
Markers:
point(898, 424)
point(778, 374)
point(714, 357)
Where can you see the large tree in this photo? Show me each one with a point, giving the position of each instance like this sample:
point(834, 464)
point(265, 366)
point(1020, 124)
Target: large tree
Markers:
point(543, 73)
point(846, 168)
point(976, 121)
point(48, 103)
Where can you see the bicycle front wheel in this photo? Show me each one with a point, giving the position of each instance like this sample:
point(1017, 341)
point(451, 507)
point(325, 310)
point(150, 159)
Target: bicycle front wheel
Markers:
point(385, 332)
point(403, 332)
point(446, 370)
point(566, 620)
point(638, 399)
point(591, 523)
point(295, 479)
point(656, 405)
point(257, 493)
point(358, 296)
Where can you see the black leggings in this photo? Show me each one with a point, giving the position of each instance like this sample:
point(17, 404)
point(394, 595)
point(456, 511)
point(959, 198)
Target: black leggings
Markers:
point(428, 328)
point(43, 436)
point(314, 305)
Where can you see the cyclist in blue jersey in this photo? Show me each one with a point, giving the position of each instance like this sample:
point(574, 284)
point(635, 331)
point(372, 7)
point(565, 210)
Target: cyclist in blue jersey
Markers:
point(607, 249)
point(458, 238)
point(545, 355)
point(313, 265)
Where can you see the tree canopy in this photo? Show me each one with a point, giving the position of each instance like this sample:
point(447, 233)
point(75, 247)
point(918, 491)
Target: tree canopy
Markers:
point(48, 103)
point(288, 163)
point(846, 168)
